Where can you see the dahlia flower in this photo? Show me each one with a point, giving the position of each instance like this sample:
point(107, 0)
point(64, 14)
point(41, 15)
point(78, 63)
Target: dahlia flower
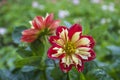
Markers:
point(39, 24)
point(71, 47)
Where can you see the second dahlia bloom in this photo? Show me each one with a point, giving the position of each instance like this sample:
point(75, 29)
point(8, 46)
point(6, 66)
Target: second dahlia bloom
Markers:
point(40, 24)
point(71, 47)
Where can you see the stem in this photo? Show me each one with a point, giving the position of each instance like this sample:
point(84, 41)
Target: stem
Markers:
point(82, 77)
point(68, 78)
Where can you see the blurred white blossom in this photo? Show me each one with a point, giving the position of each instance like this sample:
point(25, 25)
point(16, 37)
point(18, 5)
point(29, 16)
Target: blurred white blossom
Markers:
point(63, 13)
point(95, 1)
point(105, 20)
point(104, 7)
point(76, 2)
point(35, 4)
point(2, 31)
point(109, 7)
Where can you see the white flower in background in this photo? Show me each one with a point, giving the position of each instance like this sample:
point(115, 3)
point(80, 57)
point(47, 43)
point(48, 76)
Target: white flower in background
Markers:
point(35, 4)
point(2, 31)
point(76, 2)
point(103, 21)
point(63, 13)
point(104, 7)
point(95, 1)
point(109, 7)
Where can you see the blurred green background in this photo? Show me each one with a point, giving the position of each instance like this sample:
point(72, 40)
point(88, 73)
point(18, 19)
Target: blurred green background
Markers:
point(99, 18)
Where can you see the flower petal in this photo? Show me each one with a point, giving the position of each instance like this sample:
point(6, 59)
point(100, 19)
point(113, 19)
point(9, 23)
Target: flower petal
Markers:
point(85, 53)
point(55, 52)
point(38, 22)
point(28, 38)
point(60, 29)
point(75, 37)
point(73, 29)
point(62, 32)
point(67, 60)
point(80, 65)
point(93, 55)
point(53, 39)
point(84, 41)
point(30, 32)
point(54, 24)
point(64, 67)
point(92, 41)
point(76, 60)
point(49, 19)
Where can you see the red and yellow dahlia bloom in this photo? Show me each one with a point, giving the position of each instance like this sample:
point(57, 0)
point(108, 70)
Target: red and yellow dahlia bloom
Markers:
point(39, 24)
point(71, 47)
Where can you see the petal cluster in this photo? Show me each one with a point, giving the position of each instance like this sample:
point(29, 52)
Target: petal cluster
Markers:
point(71, 47)
point(39, 24)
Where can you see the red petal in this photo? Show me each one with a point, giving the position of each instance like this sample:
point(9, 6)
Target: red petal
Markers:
point(49, 19)
point(51, 52)
point(73, 29)
point(30, 32)
point(92, 41)
point(78, 66)
point(60, 29)
point(28, 38)
point(64, 67)
point(93, 55)
point(38, 22)
point(52, 39)
point(54, 24)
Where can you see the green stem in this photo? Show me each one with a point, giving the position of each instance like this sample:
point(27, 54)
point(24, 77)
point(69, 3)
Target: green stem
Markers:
point(68, 78)
point(82, 77)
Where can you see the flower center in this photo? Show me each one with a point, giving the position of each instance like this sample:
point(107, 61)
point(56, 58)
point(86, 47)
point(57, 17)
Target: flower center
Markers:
point(69, 48)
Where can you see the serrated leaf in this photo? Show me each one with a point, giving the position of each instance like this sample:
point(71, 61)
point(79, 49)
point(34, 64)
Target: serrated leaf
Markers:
point(16, 35)
point(34, 61)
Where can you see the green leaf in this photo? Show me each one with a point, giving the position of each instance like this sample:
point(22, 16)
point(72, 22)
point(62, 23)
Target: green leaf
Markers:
point(16, 35)
point(89, 66)
point(57, 74)
point(37, 47)
point(98, 74)
point(34, 61)
point(24, 52)
point(98, 32)
point(28, 68)
point(74, 74)
point(114, 49)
